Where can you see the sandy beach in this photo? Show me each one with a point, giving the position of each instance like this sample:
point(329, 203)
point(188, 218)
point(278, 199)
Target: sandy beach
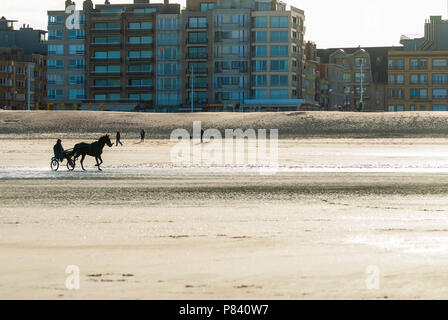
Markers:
point(145, 228)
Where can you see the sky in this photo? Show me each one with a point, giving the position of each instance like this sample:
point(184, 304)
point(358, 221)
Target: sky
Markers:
point(330, 24)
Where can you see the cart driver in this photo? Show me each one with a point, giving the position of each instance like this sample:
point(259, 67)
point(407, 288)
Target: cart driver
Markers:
point(59, 152)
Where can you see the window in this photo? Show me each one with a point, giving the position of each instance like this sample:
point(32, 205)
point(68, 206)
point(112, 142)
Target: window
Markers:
point(396, 64)
point(168, 54)
point(279, 51)
point(55, 64)
point(259, 81)
point(167, 23)
point(108, 83)
point(260, 36)
point(197, 37)
point(197, 22)
point(396, 93)
point(279, 65)
point(279, 94)
point(439, 93)
point(197, 53)
point(77, 64)
point(439, 63)
point(106, 40)
point(76, 49)
point(140, 97)
point(146, 25)
point(140, 83)
point(140, 40)
point(171, 38)
point(168, 84)
point(439, 108)
point(260, 94)
point(264, 6)
point(75, 79)
point(55, 20)
point(259, 51)
point(419, 93)
point(107, 55)
point(107, 69)
point(76, 94)
point(197, 67)
point(140, 68)
point(146, 10)
point(207, 6)
point(108, 97)
point(107, 26)
point(279, 22)
point(76, 34)
point(55, 79)
point(55, 94)
point(167, 69)
point(55, 50)
point(168, 99)
point(140, 54)
point(279, 36)
point(439, 78)
point(54, 35)
point(260, 22)
point(278, 80)
point(259, 66)
point(360, 76)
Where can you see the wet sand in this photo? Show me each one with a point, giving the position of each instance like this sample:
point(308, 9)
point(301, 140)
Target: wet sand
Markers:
point(145, 229)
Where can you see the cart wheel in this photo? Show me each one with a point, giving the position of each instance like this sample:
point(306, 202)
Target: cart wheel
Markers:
point(71, 164)
point(54, 164)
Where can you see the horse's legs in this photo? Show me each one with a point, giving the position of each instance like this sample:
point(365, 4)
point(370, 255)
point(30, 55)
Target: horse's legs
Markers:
point(82, 162)
point(98, 164)
point(100, 160)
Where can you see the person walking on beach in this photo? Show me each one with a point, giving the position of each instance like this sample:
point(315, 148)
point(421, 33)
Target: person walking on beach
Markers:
point(118, 139)
point(142, 135)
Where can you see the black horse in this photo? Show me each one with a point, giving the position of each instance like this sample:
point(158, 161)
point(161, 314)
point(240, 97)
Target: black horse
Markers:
point(94, 150)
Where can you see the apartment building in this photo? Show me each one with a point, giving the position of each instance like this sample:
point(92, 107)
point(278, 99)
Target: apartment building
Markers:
point(364, 76)
point(237, 51)
point(418, 72)
point(169, 48)
point(22, 66)
point(105, 55)
point(22, 79)
point(66, 61)
point(31, 41)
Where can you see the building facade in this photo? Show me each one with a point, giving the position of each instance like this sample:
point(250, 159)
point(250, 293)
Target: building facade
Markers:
point(22, 79)
point(418, 72)
point(364, 76)
point(66, 58)
point(238, 51)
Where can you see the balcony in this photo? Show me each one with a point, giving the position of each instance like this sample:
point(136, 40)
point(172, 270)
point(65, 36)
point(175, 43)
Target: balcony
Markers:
point(196, 86)
point(196, 57)
point(418, 67)
point(396, 67)
point(101, 44)
point(197, 71)
point(417, 98)
point(111, 87)
point(139, 87)
point(196, 41)
point(115, 60)
point(439, 97)
point(197, 25)
point(167, 27)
